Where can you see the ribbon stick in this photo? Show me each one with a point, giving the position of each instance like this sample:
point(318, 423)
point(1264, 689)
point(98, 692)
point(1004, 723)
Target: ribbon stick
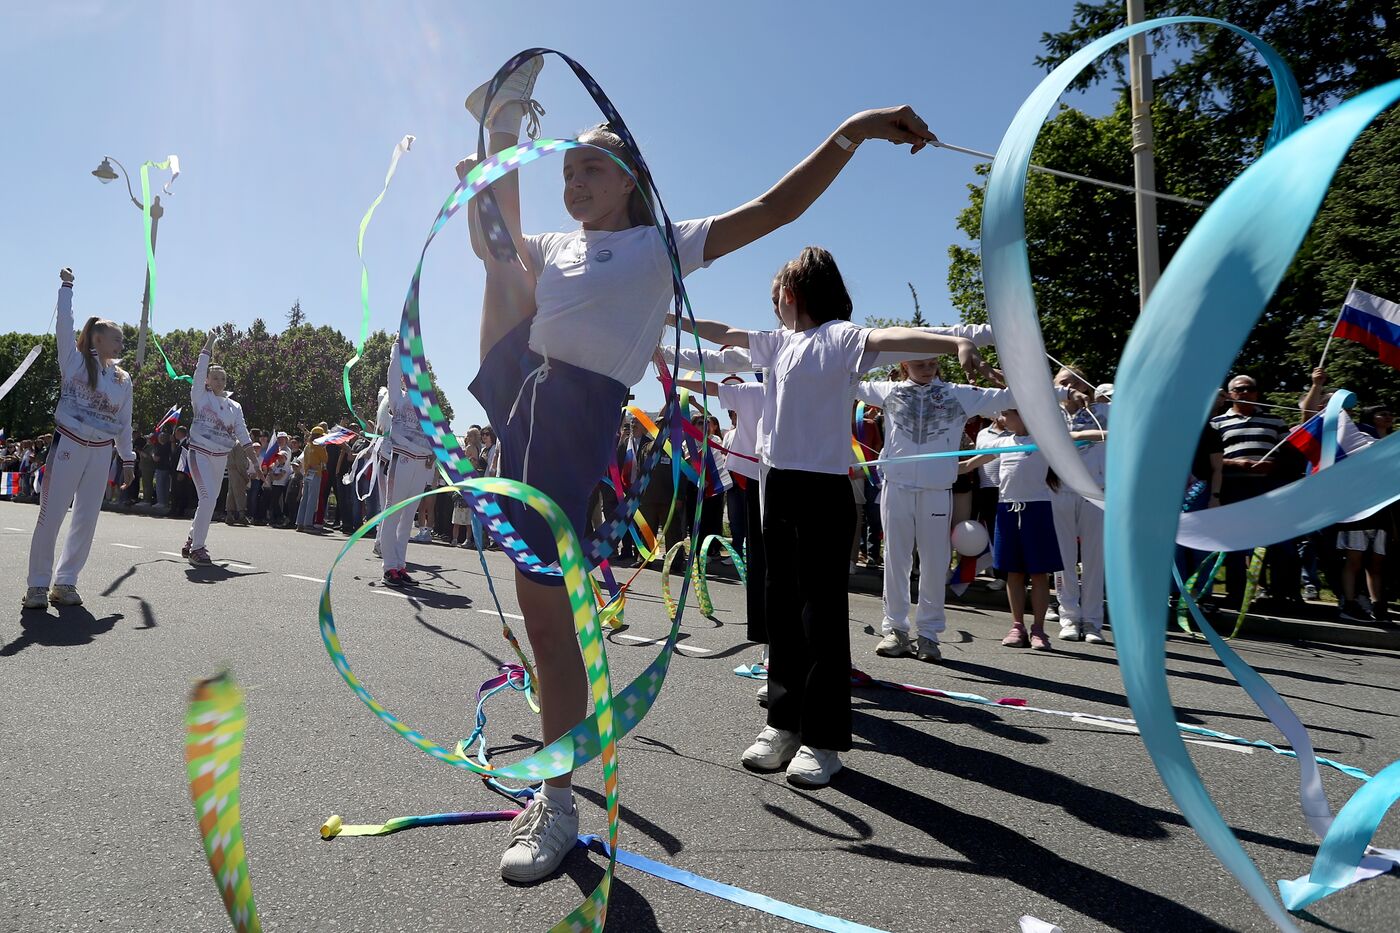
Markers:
point(19, 372)
point(214, 727)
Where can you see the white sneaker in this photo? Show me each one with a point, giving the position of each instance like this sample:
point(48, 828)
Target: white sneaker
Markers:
point(813, 767)
point(895, 645)
point(377, 552)
point(1052, 614)
point(1094, 638)
point(928, 650)
point(996, 584)
point(64, 594)
point(771, 750)
point(1309, 591)
point(512, 101)
point(36, 597)
point(540, 837)
point(763, 695)
point(1069, 631)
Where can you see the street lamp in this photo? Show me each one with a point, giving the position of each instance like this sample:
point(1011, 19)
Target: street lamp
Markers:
point(105, 174)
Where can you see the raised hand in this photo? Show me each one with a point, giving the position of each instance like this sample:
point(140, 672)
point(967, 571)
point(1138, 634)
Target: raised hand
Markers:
point(899, 125)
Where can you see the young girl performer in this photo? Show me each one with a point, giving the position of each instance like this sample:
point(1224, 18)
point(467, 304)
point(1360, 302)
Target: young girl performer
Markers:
point(218, 425)
point(405, 469)
point(814, 363)
point(563, 337)
point(93, 415)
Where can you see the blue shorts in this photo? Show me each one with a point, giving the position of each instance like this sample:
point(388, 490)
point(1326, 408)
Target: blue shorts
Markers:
point(576, 417)
point(1025, 539)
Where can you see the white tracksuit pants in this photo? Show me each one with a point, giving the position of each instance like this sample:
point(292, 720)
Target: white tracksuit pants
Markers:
point(74, 475)
point(915, 518)
point(1079, 530)
point(207, 471)
point(402, 478)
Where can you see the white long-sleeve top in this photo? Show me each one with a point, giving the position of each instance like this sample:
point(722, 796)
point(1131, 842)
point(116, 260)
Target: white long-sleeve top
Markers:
point(218, 420)
point(405, 430)
point(737, 359)
point(923, 419)
point(98, 414)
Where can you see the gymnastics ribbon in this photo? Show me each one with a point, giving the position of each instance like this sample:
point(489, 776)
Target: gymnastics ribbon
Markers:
point(403, 146)
point(214, 725)
point(1221, 278)
point(23, 368)
point(697, 571)
point(173, 164)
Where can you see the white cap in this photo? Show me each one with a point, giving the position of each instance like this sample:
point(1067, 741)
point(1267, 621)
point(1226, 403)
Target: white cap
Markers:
point(1106, 390)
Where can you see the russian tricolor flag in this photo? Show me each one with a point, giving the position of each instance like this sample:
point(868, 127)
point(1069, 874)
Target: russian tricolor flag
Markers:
point(11, 484)
point(336, 435)
point(171, 417)
point(274, 447)
point(1372, 322)
point(1306, 438)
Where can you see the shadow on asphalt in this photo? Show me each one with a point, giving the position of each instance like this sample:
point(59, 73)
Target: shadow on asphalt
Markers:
point(74, 626)
point(495, 661)
point(631, 818)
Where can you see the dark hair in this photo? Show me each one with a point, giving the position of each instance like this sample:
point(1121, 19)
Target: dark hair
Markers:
point(817, 286)
point(602, 135)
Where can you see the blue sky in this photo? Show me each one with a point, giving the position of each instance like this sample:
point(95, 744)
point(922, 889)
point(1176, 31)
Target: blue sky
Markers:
point(284, 115)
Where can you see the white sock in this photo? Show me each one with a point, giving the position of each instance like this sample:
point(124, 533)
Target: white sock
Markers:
point(561, 797)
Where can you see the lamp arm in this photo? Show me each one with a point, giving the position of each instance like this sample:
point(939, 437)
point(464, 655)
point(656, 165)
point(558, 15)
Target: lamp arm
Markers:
point(127, 179)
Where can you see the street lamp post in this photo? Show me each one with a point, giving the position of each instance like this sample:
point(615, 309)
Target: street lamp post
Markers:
point(105, 174)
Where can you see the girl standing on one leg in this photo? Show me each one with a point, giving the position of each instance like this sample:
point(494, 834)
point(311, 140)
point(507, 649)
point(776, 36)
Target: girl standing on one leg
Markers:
point(814, 364)
point(563, 337)
point(93, 416)
point(218, 425)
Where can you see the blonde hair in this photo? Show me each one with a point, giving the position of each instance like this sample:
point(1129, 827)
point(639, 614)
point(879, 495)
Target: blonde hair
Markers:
point(88, 348)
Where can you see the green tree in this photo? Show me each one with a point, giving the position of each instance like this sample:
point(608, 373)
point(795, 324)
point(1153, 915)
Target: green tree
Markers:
point(28, 409)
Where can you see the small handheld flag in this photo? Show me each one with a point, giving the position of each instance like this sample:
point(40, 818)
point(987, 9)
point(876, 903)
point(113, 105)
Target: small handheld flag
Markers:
point(1372, 322)
point(274, 448)
point(336, 435)
point(171, 417)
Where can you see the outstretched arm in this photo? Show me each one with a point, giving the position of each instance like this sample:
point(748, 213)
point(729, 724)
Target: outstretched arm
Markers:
point(789, 198)
point(909, 339)
point(713, 331)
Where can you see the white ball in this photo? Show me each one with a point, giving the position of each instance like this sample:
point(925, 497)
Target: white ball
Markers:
point(969, 538)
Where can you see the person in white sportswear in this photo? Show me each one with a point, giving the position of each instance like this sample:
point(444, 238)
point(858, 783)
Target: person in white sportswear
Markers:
point(93, 416)
point(405, 469)
point(218, 425)
point(1078, 522)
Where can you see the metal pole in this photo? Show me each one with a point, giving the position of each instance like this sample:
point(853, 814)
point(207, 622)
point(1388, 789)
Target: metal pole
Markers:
point(1144, 176)
point(156, 212)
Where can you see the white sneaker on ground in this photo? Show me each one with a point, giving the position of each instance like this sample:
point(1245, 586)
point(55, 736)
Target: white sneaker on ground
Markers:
point(1052, 613)
point(895, 645)
point(377, 553)
point(763, 695)
point(512, 101)
point(540, 837)
point(771, 750)
point(36, 597)
point(1309, 591)
point(928, 650)
point(813, 767)
point(64, 594)
point(1069, 631)
point(1094, 638)
point(996, 584)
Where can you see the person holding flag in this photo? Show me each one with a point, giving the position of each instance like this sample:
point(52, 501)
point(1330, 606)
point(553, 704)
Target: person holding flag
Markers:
point(93, 417)
point(171, 417)
point(1370, 321)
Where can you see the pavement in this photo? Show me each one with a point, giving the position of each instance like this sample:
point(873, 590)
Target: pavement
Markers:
point(948, 816)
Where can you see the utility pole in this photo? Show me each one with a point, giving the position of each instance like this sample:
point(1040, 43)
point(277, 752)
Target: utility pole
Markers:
point(156, 212)
point(1144, 175)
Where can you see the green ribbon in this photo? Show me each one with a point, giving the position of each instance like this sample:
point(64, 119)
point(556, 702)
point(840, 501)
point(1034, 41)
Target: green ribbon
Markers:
point(151, 258)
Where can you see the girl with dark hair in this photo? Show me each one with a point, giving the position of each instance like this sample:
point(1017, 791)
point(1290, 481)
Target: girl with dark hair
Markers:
point(813, 362)
point(93, 416)
point(218, 425)
point(566, 328)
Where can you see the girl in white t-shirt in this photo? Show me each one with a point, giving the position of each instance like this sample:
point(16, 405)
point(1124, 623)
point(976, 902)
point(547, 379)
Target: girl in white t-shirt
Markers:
point(569, 321)
point(813, 363)
point(93, 417)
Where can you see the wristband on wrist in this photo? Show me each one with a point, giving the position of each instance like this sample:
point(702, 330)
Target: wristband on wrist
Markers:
point(842, 140)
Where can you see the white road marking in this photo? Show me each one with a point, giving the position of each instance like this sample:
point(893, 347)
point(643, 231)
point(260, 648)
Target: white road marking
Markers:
point(390, 593)
point(688, 649)
point(241, 563)
point(8, 528)
point(1129, 727)
point(297, 576)
point(170, 553)
point(134, 547)
point(1245, 749)
point(508, 615)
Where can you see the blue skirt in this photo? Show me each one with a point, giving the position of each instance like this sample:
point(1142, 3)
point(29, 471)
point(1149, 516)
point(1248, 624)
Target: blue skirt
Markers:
point(571, 440)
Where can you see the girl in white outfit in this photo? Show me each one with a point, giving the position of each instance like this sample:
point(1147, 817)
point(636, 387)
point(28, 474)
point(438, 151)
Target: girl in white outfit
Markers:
point(93, 415)
point(218, 425)
point(405, 469)
point(1079, 523)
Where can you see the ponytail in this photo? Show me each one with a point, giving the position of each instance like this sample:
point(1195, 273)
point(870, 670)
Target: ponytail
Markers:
point(88, 351)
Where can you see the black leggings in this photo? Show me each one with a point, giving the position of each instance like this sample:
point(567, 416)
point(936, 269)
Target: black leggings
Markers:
point(809, 520)
point(756, 594)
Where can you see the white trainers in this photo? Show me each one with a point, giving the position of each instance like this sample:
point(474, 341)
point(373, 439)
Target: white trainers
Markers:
point(377, 552)
point(996, 584)
point(1309, 591)
point(1069, 631)
point(1094, 638)
point(64, 594)
point(813, 767)
point(540, 837)
point(771, 750)
point(895, 645)
point(928, 650)
point(512, 101)
point(36, 597)
point(763, 695)
point(1052, 613)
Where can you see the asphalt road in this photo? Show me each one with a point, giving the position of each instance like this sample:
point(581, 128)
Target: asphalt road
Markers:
point(949, 816)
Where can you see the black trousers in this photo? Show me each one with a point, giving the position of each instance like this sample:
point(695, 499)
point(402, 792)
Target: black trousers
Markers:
point(809, 520)
point(756, 593)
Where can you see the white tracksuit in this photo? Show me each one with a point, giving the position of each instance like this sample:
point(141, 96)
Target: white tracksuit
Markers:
point(915, 502)
point(405, 467)
point(89, 422)
point(1079, 531)
point(218, 425)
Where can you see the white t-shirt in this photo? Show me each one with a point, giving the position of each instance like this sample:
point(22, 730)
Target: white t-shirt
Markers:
point(807, 401)
point(745, 399)
point(602, 295)
point(991, 471)
point(1023, 474)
